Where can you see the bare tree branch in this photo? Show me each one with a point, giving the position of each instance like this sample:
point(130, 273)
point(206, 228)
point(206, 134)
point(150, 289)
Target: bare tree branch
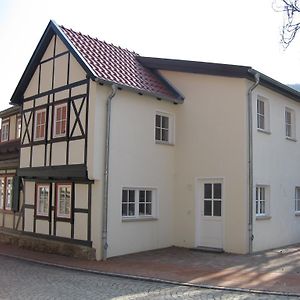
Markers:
point(291, 23)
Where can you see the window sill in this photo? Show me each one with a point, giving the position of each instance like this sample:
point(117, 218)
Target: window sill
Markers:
point(164, 143)
point(297, 214)
point(137, 219)
point(290, 139)
point(263, 131)
point(258, 218)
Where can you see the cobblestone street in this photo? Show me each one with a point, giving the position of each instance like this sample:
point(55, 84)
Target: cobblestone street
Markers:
point(24, 280)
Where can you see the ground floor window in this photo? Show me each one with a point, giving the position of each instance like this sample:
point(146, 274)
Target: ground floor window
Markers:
point(42, 199)
point(138, 203)
point(63, 200)
point(8, 200)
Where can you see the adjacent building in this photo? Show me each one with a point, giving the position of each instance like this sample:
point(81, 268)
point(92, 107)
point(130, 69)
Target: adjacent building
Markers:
point(125, 153)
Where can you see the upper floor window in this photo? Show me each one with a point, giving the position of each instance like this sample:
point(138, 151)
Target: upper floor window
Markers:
point(60, 120)
point(42, 200)
point(262, 114)
point(19, 124)
point(290, 125)
point(5, 131)
point(164, 127)
point(63, 200)
point(40, 124)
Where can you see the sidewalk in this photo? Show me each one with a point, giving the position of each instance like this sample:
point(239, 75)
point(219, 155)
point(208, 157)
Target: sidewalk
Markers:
point(274, 271)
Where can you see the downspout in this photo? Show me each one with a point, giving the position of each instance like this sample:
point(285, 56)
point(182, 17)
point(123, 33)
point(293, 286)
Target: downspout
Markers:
point(250, 161)
point(106, 171)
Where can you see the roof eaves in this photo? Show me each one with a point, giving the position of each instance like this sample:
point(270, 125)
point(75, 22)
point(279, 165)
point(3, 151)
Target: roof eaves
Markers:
point(275, 85)
point(10, 111)
point(139, 91)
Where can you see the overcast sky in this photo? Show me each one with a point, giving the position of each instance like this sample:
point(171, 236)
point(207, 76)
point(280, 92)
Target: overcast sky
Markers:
point(243, 32)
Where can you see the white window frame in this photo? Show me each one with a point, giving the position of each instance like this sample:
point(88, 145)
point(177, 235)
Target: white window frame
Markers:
point(5, 131)
point(55, 120)
point(290, 126)
point(265, 115)
point(18, 127)
point(297, 200)
point(60, 215)
point(36, 125)
point(44, 213)
point(262, 201)
point(137, 212)
point(170, 129)
point(2, 191)
point(8, 191)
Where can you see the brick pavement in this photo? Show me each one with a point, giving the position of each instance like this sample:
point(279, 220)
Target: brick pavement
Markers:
point(276, 270)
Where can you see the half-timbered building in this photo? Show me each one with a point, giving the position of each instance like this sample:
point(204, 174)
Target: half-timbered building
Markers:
point(10, 206)
point(114, 157)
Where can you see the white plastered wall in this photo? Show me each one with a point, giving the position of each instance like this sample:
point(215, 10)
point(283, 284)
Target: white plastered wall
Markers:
point(137, 161)
point(276, 165)
point(211, 142)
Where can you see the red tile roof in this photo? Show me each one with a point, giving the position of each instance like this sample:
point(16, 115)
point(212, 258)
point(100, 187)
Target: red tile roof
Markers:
point(118, 65)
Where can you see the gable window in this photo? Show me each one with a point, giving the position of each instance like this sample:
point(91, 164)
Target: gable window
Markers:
point(42, 200)
point(262, 114)
point(60, 120)
point(138, 203)
point(8, 198)
point(290, 125)
point(63, 200)
point(5, 131)
point(19, 124)
point(40, 124)
point(262, 201)
point(297, 200)
point(164, 127)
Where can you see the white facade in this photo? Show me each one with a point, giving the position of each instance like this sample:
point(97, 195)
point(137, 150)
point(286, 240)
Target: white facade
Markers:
point(276, 166)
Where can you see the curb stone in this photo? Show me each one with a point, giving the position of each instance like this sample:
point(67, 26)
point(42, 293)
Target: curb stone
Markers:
point(151, 279)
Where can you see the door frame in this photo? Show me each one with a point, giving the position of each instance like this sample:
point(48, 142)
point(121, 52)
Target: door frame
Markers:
point(198, 202)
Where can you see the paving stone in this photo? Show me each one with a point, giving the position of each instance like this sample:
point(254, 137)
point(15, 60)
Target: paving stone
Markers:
point(25, 280)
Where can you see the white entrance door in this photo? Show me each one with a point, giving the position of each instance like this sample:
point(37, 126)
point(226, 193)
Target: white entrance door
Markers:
point(210, 211)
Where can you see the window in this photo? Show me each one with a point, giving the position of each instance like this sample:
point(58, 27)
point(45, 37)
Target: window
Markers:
point(5, 131)
point(60, 120)
point(8, 198)
point(137, 203)
point(19, 124)
point(164, 127)
point(42, 200)
point(290, 131)
point(212, 199)
point(262, 201)
point(40, 124)
point(63, 201)
point(297, 200)
point(2, 192)
point(262, 114)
